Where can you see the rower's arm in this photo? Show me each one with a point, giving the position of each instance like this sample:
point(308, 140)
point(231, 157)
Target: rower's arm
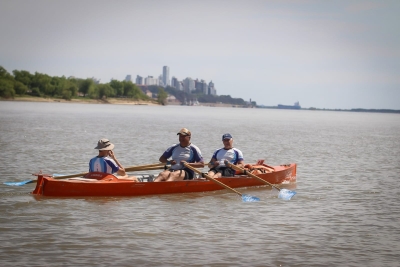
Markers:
point(163, 159)
point(121, 170)
point(212, 163)
point(197, 164)
point(240, 164)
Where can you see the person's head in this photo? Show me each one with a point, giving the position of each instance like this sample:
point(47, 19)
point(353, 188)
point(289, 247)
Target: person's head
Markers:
point(104, 146)
point(227, 140)
point(184, 136)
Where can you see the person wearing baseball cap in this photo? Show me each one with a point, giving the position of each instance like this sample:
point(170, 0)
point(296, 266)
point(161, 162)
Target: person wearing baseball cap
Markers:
point(229, 153)
point(176, 155)
point(106, 161)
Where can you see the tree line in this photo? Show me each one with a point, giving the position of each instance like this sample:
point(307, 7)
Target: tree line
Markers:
point(22, 82)
point(202, 98)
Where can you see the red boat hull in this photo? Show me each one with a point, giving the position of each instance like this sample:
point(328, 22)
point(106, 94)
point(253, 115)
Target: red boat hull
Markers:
point(108, 185)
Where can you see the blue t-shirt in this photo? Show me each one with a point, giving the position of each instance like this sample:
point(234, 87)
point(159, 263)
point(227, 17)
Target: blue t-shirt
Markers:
point(190, 154)
point(106, 165)
point(232, 155)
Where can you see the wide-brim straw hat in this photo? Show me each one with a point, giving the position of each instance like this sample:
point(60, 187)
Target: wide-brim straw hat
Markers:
point(104, 144)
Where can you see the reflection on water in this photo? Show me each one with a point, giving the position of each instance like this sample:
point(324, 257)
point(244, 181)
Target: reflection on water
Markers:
point(345, 212)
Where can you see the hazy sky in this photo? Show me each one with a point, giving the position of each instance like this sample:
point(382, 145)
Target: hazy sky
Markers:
point(325, 54)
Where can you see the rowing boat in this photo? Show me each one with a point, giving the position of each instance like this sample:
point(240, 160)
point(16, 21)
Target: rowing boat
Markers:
point(102, 184)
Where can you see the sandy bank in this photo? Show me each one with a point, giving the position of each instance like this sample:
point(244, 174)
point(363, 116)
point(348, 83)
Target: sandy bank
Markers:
point(116, 101)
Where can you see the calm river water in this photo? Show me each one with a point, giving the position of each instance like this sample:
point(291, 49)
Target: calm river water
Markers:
point(346, 211)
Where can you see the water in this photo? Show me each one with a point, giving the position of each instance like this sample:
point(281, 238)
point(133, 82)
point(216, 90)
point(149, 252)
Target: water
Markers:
point(345, 213)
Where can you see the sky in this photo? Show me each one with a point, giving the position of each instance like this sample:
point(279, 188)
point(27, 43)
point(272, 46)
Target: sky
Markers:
point(324, 54)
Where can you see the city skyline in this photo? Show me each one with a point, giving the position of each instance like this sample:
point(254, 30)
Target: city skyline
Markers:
point(188, 84)
point(324, 54)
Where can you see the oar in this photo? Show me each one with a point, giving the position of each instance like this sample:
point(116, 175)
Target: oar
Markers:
point(245, 198)
point(283, 193)
point(155, 166)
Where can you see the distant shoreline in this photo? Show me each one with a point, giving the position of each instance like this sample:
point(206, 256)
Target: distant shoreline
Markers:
point(346, 110)
point(127, 101)
point(117, 101)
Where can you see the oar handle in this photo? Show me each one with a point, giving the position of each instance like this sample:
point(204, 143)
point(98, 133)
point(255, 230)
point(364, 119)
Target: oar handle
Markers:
point(212, 179)
point(230, 165)
point(136, 169)
point(144, 167)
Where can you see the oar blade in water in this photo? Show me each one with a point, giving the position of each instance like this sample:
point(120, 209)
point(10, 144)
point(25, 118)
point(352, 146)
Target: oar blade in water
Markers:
point(28, 181)
point(19, 183)
point(286, 194)
point(248, 198)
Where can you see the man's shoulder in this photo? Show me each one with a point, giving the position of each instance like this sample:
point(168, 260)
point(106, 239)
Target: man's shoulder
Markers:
point(171, 147)
point(239, 153)
point(94, 158)
point(194, 146)
point(218, 149)
point(109, 161)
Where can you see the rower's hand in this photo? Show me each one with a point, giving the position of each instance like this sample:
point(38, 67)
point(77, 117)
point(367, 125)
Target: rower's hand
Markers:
point(111, 154)
point(173, 162)
point(183, 162)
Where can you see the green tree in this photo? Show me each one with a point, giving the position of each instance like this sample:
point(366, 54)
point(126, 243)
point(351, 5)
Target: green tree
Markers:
point(105, 90)
point(36, 92)
point(6, 88)
point(93, 91)
point(87, 87)
point(118, 87)
point(73, 88)
point(20, 88)
point(133, 91)
point(4, 74)
point(66, 94)
point(43, 83)
point(6, 84)
point(23, 76)
point(162, 96)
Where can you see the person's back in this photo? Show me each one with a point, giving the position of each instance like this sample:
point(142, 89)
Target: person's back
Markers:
point(106, 161)
point(103, 164)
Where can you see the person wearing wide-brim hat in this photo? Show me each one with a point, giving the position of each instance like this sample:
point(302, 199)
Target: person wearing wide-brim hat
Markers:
point(106, 161)
point(229, 153)
point(176, 155)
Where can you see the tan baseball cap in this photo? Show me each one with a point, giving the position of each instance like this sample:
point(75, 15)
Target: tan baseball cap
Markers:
point(184, 131)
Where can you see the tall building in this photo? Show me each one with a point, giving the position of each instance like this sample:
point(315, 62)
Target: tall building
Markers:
point(160, 81)
point(211, 89)
point(139, 80)
point(197, 84)
point(174, 82)
point(201, 86)
point(128, 78)
point(165, 75)
point(149, 80)
point(179, 86)
point(188, 85)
